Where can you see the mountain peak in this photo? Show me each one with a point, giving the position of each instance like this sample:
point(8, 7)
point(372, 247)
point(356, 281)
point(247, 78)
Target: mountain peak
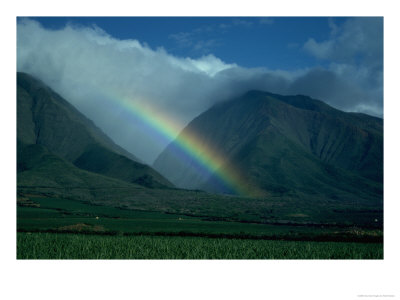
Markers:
point(286, 144)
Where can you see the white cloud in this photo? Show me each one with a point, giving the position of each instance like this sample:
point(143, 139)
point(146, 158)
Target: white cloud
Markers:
point(322, 50)
point(209, 64)
point(266, 21)
point(88, 67)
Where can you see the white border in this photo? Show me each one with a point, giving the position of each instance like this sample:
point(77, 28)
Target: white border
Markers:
point(197, 279)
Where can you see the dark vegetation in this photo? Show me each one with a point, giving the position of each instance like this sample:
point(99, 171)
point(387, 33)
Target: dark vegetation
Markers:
point(67, 246)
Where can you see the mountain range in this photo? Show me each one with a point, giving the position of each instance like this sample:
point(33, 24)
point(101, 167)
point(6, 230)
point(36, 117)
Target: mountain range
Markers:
point(304, 158)
point(290, 146)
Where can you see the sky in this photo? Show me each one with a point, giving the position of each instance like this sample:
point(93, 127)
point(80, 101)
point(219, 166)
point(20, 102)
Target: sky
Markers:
point(178, 67)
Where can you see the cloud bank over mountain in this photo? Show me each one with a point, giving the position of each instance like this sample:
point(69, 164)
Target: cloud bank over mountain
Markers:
point(93, 70)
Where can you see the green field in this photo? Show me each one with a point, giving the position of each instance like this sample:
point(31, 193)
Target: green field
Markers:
point(65, 215)
point(69, 229)
point(78, 246)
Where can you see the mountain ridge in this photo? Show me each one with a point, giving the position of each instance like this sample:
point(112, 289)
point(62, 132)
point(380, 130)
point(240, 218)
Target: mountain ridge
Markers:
point(29, 84)
point(253, 130)
point(47, 119)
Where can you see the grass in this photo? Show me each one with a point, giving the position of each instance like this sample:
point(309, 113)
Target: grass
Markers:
point(57, 228)
point(78, 246)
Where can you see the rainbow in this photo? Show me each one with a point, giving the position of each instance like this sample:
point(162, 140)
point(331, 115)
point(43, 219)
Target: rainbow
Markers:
point(204, 155)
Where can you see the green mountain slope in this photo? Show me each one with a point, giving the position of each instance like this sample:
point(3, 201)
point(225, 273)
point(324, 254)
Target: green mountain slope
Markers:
point(44, 118)
point(43, 174)
point(38, 168)
point(292, 146)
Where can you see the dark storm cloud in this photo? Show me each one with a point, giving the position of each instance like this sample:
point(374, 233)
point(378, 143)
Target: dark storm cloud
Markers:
point(355, 73)
point(87, 67)
point(357, 40)
point(327, 85)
